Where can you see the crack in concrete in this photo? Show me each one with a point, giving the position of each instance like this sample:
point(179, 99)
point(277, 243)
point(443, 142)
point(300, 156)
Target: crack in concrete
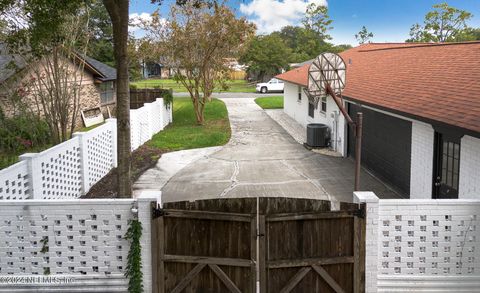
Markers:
point(316, 184)
point(306, 156)
point(233, 179)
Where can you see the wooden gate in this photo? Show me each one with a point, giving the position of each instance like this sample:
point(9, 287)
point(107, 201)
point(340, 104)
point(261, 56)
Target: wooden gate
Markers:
point(211, 246)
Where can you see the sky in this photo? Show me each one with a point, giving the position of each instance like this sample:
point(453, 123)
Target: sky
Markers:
point(388, 20)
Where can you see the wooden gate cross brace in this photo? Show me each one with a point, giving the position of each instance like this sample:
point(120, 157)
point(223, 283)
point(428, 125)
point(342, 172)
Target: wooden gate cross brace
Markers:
point(196, 270)
point(304, 271)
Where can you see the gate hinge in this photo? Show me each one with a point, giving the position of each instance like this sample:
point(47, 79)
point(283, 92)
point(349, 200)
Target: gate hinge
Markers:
point(157, 212)
point(359, 213)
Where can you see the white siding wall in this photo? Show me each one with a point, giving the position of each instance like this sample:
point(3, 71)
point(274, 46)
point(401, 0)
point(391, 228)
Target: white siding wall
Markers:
point(469, 168)
point(421, 168)
point(298, 110)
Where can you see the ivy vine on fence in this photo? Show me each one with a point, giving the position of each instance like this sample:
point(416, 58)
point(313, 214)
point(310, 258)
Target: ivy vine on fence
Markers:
point(134, 260)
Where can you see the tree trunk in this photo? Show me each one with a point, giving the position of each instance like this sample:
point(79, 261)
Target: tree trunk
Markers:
point(118, 11)
point(198, 109)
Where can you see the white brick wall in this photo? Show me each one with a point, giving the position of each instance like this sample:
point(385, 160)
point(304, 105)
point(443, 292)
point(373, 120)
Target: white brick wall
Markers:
point(371, 238)
point(422, 245)
point(85, 241)
point(469, 186)
point(421, 168)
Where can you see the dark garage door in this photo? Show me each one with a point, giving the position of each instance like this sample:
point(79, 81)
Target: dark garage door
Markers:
point(386, 147)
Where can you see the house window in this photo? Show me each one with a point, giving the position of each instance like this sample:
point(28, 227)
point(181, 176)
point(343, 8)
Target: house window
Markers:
point(299, 99)
point(311, 109)
point(107, 92)
point(323, 108)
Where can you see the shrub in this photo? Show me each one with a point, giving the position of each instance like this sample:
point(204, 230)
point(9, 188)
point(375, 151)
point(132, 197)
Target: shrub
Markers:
point(22, 132)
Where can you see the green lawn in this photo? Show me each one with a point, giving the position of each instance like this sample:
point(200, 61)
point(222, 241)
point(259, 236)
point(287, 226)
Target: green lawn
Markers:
point(235, 86)
point(183, 133)
point(274, 102)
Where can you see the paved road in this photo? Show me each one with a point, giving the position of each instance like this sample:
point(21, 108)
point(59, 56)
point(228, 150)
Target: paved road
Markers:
point(262, 159)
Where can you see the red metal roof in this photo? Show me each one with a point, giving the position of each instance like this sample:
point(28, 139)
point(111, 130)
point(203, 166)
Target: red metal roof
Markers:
point(439, 82)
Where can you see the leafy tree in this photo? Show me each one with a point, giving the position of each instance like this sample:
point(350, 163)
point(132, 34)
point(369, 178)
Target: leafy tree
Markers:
point(100, 46)
point(53, 86)
point(363, 36)
point(3, 30)
point(443, 24)
point(135, 52)
point(317, 20)
point(266, 56)
point(341, 48)
point(194, 41)
point(37, 23)
point(304, 43)
point(469, 34)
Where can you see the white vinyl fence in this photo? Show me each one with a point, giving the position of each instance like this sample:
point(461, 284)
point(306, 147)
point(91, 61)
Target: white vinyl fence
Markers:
point(76, 244)
point(422, 245)
point(70, 169)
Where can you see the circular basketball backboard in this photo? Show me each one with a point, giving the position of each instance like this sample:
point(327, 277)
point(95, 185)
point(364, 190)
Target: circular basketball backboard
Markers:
point(326, 68)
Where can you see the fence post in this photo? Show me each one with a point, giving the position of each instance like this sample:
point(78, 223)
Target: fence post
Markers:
point(34, 174)
point(371, 238)
point(113, 128)
point(144, 202)
point(161, 103)
point(82, 142)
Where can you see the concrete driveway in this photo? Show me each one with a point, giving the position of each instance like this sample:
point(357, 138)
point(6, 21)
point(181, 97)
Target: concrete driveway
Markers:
point(227, 95)
point(262, 159)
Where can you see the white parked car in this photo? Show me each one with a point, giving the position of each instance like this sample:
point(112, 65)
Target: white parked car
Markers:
point(274, 85)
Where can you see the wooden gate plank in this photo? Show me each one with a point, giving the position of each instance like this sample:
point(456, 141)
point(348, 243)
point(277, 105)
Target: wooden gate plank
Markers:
point(309, 216)
point(295, 279)
point(155, 247)
point(262, 254)
point(303, 262)
point(359, 252)
point(188, 278)
point(253, 254)
point(223, 261)
point(204, 215)
point(224, 278)
point(326, 276)
point(356, 254)
point(161, 251)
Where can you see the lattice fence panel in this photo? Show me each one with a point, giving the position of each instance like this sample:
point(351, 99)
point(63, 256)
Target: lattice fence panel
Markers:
point(64, 238)
point(14, 182)
point(60, 171)
point(155, 115)
point(139, 123)
point(99, 143)
point(429, 239)
point(67, 170)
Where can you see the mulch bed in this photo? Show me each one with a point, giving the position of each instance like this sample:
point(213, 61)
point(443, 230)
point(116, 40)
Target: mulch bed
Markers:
point(144, 158)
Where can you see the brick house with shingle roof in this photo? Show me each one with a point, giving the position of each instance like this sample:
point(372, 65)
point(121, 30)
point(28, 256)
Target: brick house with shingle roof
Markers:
point(421, 105)
point(97, 87)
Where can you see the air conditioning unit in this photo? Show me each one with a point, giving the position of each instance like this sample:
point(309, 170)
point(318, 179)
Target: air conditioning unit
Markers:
point(318, 135)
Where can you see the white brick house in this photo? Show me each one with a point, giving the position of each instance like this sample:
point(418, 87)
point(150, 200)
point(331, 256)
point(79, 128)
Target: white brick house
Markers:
point(421, 104)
